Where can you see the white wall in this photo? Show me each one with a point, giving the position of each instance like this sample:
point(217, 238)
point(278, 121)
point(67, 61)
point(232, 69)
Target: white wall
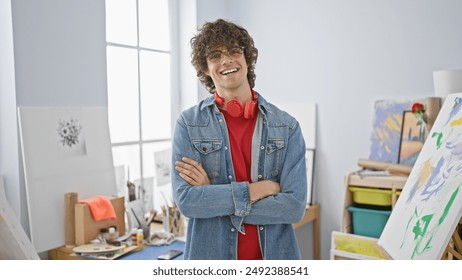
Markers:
point(9, 156)
point(60, 52)
point(189, 87)
point(209, 10)
point(344, 55)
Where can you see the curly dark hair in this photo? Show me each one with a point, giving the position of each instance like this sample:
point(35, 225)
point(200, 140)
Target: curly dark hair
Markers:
point(216, 34)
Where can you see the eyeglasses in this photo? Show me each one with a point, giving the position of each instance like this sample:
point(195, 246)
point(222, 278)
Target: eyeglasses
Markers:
point(233, 53)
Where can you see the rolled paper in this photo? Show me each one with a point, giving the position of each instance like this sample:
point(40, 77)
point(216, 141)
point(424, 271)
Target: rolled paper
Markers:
point(433, 105)
point(393, 168)
point(447, 81)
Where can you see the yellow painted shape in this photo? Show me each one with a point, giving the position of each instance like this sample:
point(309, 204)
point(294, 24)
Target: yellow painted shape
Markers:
point(393, 122)
point(425, 172)
point(456, 122)
point(358, 245)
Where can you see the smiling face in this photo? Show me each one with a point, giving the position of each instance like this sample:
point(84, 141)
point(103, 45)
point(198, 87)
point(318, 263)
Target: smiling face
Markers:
point(227, 68)
point(223, 33)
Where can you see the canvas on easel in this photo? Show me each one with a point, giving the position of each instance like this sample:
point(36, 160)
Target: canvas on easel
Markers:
point(162, 181)
point(14, 243)
point(64, 149)
point(305, 113)
point(430, 204)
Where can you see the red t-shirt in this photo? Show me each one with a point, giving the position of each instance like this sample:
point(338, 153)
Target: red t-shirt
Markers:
point(240, 131)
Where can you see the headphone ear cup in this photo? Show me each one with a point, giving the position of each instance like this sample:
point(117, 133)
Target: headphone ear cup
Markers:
point(234, 108)
point(249, 109)
point(220, 100)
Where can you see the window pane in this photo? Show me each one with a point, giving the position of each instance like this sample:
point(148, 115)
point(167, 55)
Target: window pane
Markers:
point(123, 105)
point(154, 24)
point(148, 156)
point(121, 22)
point(155, 95)
point(129, 157)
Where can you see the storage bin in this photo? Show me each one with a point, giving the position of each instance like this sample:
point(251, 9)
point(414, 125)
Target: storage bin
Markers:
point(371, 196)
point(369, 221)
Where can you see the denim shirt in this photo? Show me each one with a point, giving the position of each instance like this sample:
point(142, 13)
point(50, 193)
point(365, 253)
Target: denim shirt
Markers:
point(218, 211)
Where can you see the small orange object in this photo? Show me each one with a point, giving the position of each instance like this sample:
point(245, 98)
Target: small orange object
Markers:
point(100, 207)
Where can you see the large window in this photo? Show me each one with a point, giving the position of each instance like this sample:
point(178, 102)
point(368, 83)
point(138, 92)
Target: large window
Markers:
point(139, 85)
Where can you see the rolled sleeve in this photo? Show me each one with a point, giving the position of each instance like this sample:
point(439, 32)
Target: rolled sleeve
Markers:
point(242, 205)
point(241, 198)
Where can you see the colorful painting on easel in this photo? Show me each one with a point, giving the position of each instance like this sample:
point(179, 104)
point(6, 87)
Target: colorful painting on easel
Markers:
point(386, 132)
point(429, 207)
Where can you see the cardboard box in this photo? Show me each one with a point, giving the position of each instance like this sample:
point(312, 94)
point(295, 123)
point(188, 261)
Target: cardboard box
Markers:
point(87, 229)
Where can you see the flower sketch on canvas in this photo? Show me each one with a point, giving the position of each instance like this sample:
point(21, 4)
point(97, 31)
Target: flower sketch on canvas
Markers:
point(69, 131)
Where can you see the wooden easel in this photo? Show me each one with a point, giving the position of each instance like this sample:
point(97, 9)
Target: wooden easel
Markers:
point(454, 249)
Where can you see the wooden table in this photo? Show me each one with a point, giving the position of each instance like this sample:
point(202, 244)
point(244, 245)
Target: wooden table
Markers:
point(312, 215)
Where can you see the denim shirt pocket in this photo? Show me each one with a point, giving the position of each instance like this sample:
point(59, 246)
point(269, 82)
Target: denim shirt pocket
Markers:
point(209, 151)
point(274, 150)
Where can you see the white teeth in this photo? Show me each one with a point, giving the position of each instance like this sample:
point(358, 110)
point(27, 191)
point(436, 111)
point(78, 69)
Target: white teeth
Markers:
point(226, 72)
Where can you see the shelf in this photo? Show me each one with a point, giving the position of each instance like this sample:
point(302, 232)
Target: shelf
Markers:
point(393, 183)
point(386, 182)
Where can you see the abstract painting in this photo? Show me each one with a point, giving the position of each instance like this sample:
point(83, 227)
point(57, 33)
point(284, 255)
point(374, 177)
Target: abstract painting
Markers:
point(430, 204)
point(412, 139)
point(386, 131)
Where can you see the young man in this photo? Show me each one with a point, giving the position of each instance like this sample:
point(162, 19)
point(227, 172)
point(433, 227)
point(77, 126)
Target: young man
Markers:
point(240, 161)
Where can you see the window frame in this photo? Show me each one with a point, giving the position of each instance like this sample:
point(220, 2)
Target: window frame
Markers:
point(174, 88)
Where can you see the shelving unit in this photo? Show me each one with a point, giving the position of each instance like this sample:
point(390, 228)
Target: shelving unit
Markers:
point(393, 183)
point(346, 244)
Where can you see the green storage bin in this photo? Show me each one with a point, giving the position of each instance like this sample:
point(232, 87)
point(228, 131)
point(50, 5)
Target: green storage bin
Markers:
point(369, 221)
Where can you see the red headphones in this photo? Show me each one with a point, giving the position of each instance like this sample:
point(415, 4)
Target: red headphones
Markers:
point(235, 108)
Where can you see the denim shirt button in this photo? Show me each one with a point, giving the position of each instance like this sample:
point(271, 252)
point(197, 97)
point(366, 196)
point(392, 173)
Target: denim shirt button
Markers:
point(232, 229)
point(262, 147)
point(260, 176)
point(226, 148)
point(261, 228)
point(230, 177)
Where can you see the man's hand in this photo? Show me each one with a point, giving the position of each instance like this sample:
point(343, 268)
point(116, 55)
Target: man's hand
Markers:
point(192, 172)
point(262, 189)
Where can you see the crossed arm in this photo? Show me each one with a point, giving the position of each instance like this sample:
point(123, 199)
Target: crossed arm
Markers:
point(192, 172)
